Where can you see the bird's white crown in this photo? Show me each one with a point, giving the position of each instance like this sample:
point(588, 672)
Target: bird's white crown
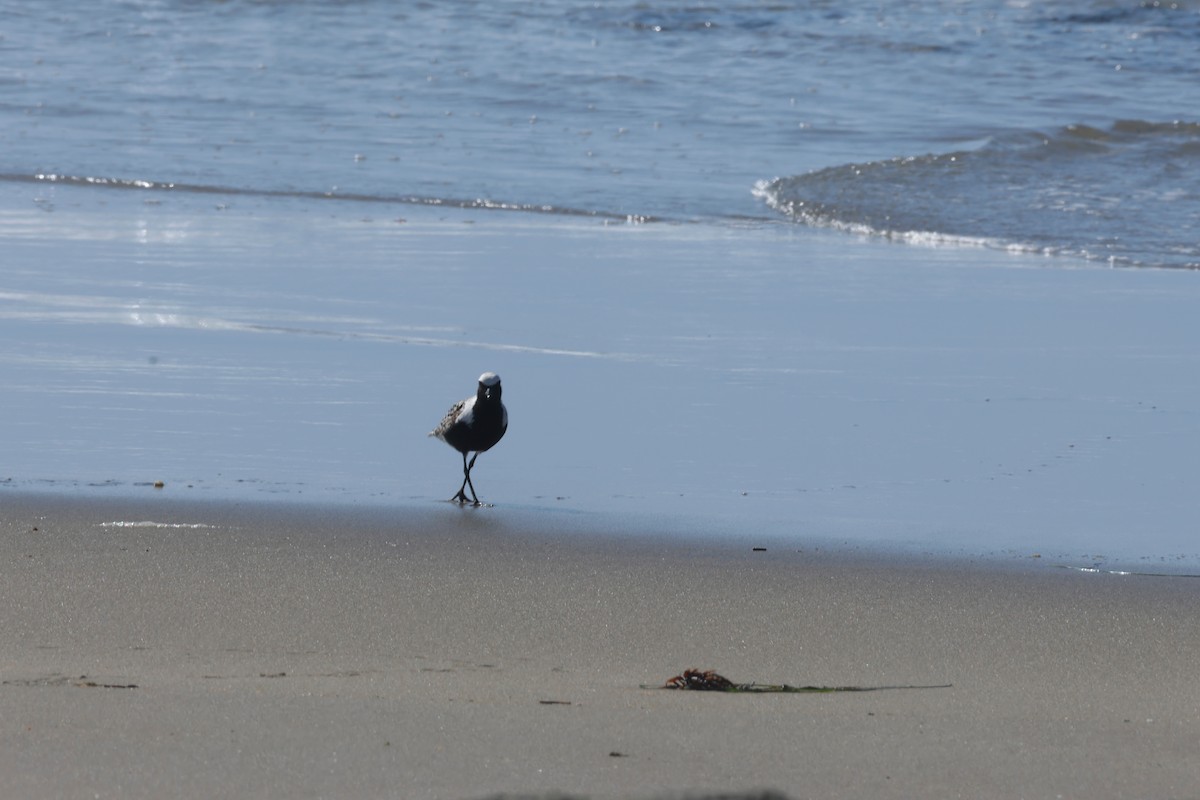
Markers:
point(489, 379)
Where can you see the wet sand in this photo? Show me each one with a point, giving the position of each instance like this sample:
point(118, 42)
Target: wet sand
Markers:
point(235, 650)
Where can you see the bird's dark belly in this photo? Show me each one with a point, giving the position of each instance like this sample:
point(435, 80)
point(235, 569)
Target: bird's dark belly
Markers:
point(479, 437)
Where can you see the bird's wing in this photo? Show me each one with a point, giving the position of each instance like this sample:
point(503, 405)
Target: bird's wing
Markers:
point(457, 410)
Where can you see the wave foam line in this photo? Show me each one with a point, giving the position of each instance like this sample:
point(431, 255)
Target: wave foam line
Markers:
point(795, 210)
point(151, 524)
point(479, 203)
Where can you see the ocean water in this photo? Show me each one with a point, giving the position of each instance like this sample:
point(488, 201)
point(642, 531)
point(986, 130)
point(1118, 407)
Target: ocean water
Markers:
point(1066, 127)
point(817, 270)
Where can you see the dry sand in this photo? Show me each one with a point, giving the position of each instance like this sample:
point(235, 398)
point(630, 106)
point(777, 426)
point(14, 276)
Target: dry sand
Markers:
point(446, 653)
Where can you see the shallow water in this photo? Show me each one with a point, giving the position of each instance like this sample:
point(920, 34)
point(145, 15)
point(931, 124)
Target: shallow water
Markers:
point(684, 376)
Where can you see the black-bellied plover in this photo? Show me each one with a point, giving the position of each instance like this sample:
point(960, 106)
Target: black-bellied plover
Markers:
point(474, 424)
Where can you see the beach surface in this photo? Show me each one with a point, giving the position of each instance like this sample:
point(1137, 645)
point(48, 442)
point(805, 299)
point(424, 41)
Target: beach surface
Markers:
point(163, 647)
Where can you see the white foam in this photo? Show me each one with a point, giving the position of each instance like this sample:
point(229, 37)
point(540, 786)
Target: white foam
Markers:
point(152, 524)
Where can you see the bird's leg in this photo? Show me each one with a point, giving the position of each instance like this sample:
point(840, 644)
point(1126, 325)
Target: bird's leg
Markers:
point(461, 497)
point(469, 468)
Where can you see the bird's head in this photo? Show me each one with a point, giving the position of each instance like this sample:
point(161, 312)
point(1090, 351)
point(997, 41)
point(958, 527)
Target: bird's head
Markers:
point(489, 386)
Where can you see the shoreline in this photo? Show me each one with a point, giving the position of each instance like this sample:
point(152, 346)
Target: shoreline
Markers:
point(309, 652)
point(552, 518)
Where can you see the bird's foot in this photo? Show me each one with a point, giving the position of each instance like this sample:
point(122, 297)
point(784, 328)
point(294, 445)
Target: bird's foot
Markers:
point(463, 500)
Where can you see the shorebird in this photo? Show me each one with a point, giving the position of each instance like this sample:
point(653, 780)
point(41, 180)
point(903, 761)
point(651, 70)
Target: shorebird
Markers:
point(474, 424)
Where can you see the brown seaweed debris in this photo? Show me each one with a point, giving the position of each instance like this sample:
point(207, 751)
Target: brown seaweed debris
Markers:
point(711, 681)
point(700, 680)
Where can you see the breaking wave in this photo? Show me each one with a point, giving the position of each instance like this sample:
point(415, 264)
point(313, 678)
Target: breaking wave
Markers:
point(1126, 195)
